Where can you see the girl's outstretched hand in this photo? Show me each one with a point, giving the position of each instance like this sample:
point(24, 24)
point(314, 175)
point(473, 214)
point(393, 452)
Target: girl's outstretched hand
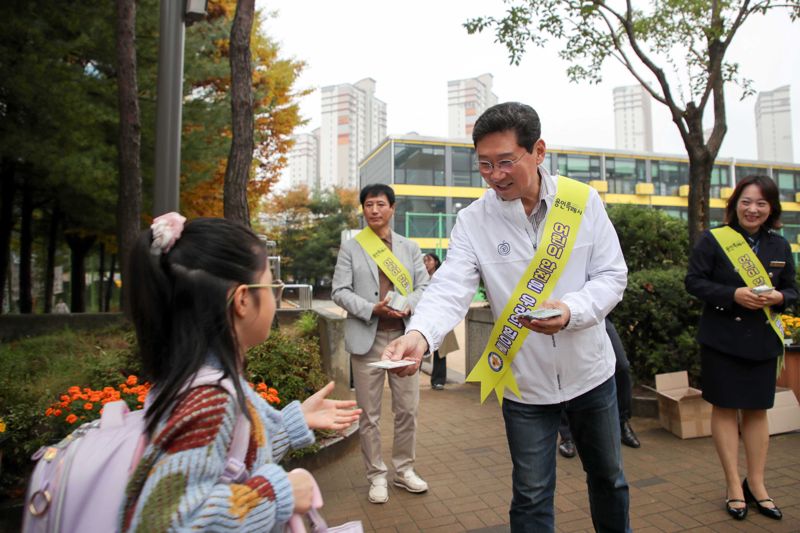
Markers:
point(322, 413)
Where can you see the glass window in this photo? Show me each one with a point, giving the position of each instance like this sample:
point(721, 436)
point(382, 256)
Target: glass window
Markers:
point(788, 183)
point(465, 173)
point(720, 177)
point(791, 226)
point(420, 216)
point(743, 172)
point(579, 167)
point(419, 164)
point(677, 212)
point(548, 162)
point(623, 174)
point(668, 176)
point(716, 216)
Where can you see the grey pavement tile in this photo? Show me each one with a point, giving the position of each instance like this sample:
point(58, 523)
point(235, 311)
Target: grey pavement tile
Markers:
point(675, 485)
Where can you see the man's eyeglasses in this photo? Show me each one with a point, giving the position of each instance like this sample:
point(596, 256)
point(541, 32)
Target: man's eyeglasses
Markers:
point(277, 286)
point(487, 167)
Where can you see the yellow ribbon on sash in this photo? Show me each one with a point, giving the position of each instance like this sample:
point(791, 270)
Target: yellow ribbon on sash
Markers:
point(386, 261)
point(538, 281)
point(749, 267)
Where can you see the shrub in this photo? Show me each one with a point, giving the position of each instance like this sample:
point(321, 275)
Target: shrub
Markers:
point(36, 372)
point(288, 362)
point(657, 321)
point(306, 324)
point(650, 238)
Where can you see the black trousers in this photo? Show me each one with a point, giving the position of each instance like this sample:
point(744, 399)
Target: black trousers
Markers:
point(439, 371)
point(622, 376)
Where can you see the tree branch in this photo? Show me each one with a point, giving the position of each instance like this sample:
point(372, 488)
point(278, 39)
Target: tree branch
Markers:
point(667, 99)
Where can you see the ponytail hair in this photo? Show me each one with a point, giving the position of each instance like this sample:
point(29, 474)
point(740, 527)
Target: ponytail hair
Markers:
point(179, 305)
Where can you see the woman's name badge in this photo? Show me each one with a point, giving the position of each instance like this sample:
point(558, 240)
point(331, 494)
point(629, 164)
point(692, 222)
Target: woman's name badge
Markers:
point(777, 264)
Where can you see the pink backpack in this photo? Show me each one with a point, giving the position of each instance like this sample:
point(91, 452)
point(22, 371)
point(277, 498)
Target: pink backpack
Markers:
point(79, 483)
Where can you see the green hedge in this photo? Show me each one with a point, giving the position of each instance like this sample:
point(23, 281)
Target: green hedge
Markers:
point(657, 321)
point(650, 238)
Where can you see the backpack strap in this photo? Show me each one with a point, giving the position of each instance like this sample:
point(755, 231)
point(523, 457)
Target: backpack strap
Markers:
point(235, 470)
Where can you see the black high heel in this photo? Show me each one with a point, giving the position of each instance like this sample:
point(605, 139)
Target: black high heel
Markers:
point(771, 512)
point(737, 513)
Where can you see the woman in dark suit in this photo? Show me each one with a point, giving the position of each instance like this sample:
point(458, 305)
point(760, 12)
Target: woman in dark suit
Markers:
point(739, 348)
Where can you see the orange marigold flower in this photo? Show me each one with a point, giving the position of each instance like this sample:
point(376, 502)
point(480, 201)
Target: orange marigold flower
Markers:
point(88, 406)
point(49, 411)
point(71, 419)
point(65, 398)
point(132, 380)
point(261, 386)
point(73, 389)
point(140, 398)
point(64, 404)
point(57, 412)
point(272, 391)
point(139, 406)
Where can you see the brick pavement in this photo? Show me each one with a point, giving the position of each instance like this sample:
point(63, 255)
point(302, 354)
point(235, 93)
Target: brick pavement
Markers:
point(676, 485)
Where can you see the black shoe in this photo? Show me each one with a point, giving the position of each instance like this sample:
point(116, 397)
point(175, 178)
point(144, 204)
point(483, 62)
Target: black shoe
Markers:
point(738, 513)
point(771, 512)
point(567, 448)
point(628, 436)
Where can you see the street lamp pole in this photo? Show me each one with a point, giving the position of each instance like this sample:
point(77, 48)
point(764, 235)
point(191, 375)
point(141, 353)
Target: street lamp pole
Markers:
point(172, 32)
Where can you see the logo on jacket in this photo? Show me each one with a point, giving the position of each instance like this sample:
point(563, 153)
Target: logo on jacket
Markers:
point(503, 248)
point(495, 362)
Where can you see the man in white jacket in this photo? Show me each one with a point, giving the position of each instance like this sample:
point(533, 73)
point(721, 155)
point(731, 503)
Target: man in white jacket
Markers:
point(566, 362)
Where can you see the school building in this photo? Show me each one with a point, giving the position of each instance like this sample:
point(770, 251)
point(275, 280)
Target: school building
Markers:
point(433, 178)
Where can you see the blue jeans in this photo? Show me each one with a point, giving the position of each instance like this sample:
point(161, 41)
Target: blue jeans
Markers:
point(532, 431)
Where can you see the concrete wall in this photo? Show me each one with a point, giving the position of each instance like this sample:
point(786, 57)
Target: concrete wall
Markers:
point(335, 360)
point(479, 323)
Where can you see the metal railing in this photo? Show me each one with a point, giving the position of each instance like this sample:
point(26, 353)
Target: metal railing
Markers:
point(299, 296)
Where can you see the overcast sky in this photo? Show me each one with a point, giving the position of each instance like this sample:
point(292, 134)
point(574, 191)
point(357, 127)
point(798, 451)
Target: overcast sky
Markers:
point(413, 48)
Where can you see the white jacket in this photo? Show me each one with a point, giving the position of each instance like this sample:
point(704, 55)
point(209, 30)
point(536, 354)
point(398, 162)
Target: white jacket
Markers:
point(494, 240)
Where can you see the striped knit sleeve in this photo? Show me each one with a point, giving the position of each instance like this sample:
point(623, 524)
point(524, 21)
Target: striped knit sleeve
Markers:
point(180, 472)
point(287, 429)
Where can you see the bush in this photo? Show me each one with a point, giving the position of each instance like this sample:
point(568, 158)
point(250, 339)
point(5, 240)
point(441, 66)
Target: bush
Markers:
point(289, 361)
point(657, 321)
point(650, 238)
point(306, 324)
point(36, 371)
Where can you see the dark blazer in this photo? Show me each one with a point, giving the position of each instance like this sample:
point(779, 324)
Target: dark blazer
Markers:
point(725, 325)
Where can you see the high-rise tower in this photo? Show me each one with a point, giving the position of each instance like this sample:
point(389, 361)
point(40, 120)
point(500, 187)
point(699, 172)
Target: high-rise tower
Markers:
point(774, 125)
point(633, 121)
point(466, 100)
point(353, 123)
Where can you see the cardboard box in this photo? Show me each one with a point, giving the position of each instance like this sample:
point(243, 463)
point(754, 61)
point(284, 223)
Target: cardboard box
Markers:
point(785, 414)
point(681, 408)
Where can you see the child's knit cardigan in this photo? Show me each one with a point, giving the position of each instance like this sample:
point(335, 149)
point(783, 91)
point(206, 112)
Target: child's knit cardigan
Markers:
point(176, 484)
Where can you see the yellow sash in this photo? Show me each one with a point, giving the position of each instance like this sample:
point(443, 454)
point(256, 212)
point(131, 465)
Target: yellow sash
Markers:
point(540, 277)
point(386, 261)
point(749, 267)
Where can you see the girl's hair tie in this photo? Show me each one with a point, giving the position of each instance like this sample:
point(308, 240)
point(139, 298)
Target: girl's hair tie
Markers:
point(166, 229)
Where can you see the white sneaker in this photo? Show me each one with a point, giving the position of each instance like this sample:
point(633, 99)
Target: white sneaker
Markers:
point(410, 481)
point(379, 491)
